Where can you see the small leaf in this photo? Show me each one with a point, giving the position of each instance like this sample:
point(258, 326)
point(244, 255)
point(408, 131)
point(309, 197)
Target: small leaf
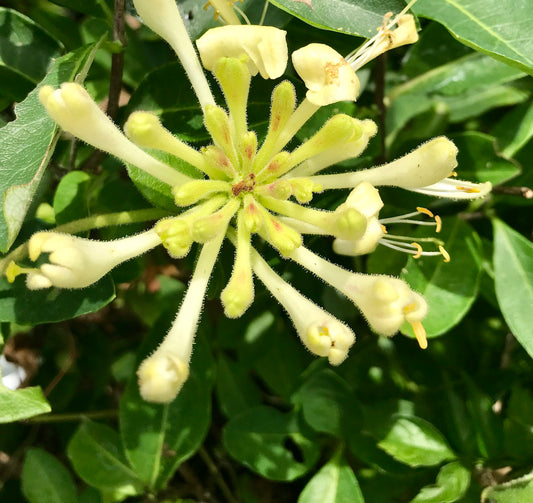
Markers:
point(27, 145)
point(270, 443)
point(50, 305)
point(97, 457)
point(515, 130)
point(500, 29)
point(449, 288)
point(356, 18)
point(516, 491)
point(70, 198)
point(45, 479)
point(415, 442)
point(22, 403)
point(452, 482)
point(513, 276)
point(335, 482)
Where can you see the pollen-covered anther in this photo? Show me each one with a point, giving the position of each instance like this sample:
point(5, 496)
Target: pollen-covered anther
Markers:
point(444, 253)
point(419, 250)
point(469, 190)
point(420, 334)
point(438, 223)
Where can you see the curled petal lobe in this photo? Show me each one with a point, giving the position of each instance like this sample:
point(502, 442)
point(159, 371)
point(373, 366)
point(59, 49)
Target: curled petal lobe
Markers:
point(326, 74)
point(264, 46)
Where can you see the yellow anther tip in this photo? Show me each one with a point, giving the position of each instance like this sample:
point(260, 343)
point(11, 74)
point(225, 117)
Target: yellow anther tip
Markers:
point(444, 253)
point(419, 250)
point(438, 221)
point(425, 211)
point(420, 334)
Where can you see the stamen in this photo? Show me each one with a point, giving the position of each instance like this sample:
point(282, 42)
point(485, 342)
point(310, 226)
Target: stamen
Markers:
point(444, 253)
point(419, 250)
point(438, 222)
point(425, 211)
point(409, 308)
point(469, 190)
point(384, 229)
point(420, 334)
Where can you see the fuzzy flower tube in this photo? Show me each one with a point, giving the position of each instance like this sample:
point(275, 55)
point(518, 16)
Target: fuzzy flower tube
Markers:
point(254, 188)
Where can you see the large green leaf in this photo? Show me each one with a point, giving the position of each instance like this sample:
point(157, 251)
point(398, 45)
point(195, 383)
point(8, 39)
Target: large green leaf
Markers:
point(449, 288)
point(26, 51)
point(20, 305)
point(356, 17)
point(515, 130)
point(415, 442)
point(270, 443)
point(513, 276)
point(27, 145)
point(45, 479)
point(452, 482)
point(96, 454)
point(21, 403)
point(157, 438)
point(335, 482)
point(501, 29)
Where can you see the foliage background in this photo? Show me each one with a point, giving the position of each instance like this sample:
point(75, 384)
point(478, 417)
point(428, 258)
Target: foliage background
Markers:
point(260, 420)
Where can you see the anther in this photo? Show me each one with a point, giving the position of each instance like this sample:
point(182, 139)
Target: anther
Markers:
point(384, 229)
point(425, 211)
point(419, 250)
point(438, 221)
point(409, 308)
point(468, 190)
point(420, 334)
point(444, 253)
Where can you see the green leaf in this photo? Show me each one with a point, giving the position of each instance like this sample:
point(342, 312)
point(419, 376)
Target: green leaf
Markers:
point(513, 276)
point(478, 161)
point(157, 438)
point(515, 130)
point(449, 288)
point(452, 482)
point(26, 51)
point(270, 443)
point(415, 442)
point(70, 198)
point(501, 29)
point(51, 305)
point(45, 479)
point(516, 491)
point(335, 482)
point(22, 403)
point(97, 457)
point(27, 145)
point(99, 8)
point(360, 17)
point(328, 404)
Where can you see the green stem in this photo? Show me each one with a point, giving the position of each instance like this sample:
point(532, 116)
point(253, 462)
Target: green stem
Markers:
point(73, 416)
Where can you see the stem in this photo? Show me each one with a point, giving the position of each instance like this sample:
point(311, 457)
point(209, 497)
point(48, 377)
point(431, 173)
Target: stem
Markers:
point(73, 416)
point(381, 66)
point(213, 469)
point(117, 59)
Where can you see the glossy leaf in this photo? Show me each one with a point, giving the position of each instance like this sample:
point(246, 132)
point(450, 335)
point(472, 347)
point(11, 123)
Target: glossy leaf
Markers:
point(415, 442)
point(513, 276)
point(96, 454)
point(449, 288)
point(478, 161)
point(26, 52)
point(515, 130)
point(501, 29)
point(270, 443)
point(22, 403)
point(452, 482)
point(44, 478)
point(27, 145)
point(335, 482)
point(53, 304)
point(346, 16)
point(157, 438)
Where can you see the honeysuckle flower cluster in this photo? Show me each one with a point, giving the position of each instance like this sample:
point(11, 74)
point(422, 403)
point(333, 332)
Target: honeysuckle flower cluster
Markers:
point(255, 186)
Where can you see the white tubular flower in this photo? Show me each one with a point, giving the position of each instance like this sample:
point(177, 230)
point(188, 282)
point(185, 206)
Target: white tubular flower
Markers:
point(326, 74)
point(386, 302)
point(423, 170)
point(163, 17)
point(76, 112)
point(76, 262)
point(320, 332)
point(265, 47)
point(163, 373)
